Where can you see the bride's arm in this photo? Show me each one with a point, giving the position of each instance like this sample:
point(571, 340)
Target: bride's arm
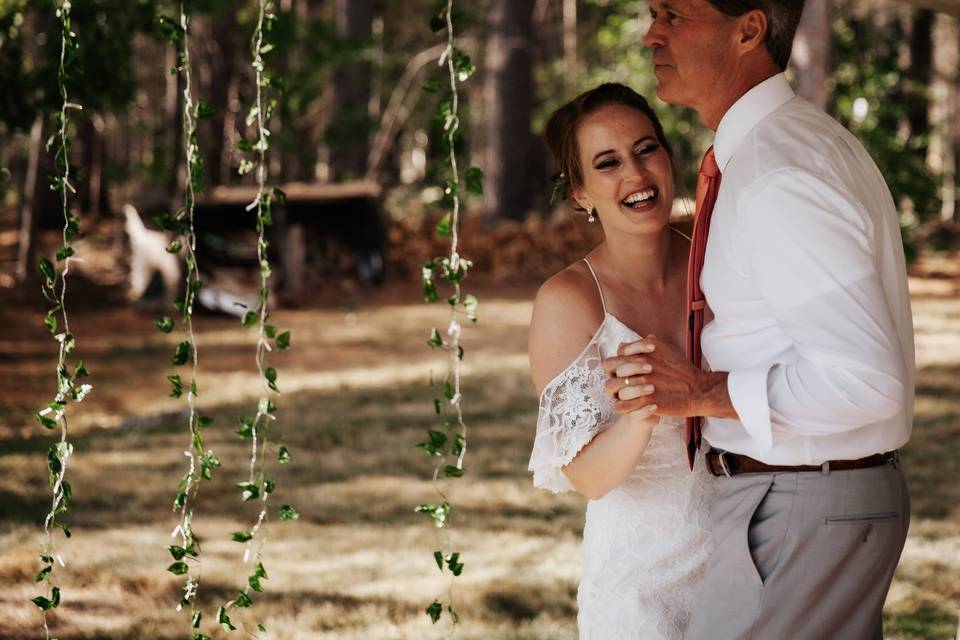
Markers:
point(609, 459)
point(565, 316)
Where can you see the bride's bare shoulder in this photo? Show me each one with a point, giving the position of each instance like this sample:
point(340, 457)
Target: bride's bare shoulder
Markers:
point(571, 290)
point(566, 314)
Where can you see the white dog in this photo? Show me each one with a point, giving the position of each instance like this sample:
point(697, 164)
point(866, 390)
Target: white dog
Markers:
point(149, 255)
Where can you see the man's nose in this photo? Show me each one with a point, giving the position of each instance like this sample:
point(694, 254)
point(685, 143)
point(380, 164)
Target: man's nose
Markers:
point(654, 37)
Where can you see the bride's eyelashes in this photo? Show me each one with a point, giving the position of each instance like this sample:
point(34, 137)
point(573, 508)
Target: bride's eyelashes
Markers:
point(641, 150)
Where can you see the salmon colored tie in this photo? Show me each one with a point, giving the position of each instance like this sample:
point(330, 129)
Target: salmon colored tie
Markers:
point(708, 184)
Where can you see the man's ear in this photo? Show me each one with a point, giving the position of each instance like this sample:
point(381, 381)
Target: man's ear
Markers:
point(753, 30)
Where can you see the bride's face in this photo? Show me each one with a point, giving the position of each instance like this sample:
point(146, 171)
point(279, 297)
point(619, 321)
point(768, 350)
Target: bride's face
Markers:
point(627, 177)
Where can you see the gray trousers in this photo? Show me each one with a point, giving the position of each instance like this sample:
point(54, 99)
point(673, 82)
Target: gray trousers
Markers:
point(802, 556)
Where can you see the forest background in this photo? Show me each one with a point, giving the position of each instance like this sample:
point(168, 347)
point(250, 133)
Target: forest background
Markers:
point(360, 90)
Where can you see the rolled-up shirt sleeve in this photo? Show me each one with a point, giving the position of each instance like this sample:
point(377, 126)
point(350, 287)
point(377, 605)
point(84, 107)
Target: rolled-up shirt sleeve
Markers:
point(809, 247)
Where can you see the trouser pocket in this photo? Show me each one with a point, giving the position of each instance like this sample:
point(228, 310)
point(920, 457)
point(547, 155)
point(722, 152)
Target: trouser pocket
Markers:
point(862, 518)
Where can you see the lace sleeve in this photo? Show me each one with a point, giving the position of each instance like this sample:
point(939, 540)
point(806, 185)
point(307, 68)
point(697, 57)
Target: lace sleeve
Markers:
point(573, 410)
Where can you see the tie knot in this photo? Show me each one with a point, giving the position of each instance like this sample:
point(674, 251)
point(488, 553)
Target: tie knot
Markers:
point(708, 167)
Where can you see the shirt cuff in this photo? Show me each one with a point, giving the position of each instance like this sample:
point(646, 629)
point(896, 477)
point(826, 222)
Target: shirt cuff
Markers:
point(748, 394)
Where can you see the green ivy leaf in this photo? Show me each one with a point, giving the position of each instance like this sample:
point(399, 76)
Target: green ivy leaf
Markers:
point(224, 619)
point(438, 23)
point(288, 513)
point(243, 601)
point(204, 421)
point(438, 512)
point(458, 445)
point(433, 85)
point(436, 440)
point(178, 568)
point(451, 471)
point(80, 371)
point(462, 64)
point(205, 110)
point(48, 271)
point(242, 536)
point(283, 341)
point(438, 556)
point(270, 331)
point(170, 29)
point(474, 179)
point(250, 490)
point(48, 423)
point(245, 430)
point(470, 303)
point(182, 354)
point(177, 552)
point(64, 253)
point(453, 562)
point(195, 623)
point(271, 375)
point(435, 340)
point(175, 246)
point(443, 227)
point(434, 611)
point(269, 485)
point(249, 318)
point(208, 463)
point(283, 456)
point(51, 321)
point(177, 390)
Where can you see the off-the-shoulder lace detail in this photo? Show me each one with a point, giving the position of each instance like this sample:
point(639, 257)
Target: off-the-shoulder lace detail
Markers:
point(573, 410)
point(644, 543)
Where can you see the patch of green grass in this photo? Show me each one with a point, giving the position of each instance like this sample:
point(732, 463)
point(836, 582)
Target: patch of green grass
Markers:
point(926, 623)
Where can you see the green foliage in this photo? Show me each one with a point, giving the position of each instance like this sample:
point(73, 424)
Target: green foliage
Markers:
point(612, 52)
point(868, 71)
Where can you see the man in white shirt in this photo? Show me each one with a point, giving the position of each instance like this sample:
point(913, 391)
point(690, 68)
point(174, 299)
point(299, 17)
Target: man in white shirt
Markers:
point(809, 387)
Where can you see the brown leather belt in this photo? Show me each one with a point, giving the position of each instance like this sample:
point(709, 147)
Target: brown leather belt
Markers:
point(724, 463)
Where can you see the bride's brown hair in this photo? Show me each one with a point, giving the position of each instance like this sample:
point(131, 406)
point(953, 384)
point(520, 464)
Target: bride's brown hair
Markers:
point(561, 130)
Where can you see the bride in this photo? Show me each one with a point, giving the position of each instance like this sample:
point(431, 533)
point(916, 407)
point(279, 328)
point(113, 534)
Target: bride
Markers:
point(644, 542)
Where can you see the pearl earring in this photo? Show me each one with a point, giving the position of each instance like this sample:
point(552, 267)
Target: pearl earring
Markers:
point(590, 216)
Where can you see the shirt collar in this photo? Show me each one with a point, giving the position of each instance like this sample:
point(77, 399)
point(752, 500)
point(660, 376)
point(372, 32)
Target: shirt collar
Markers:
point(751, 108)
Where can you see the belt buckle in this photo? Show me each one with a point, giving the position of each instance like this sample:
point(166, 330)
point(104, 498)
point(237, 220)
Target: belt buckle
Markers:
point(723, 463)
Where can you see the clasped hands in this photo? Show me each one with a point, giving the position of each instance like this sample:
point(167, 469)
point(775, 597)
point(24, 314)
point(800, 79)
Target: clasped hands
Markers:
point(652, 377)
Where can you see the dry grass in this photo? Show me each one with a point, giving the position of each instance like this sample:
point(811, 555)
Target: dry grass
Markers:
point(358, 563)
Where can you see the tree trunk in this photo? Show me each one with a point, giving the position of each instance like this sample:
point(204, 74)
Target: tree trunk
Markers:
point(350, 129)
point(27, 249)
point(570, 33)
point(811, 52)
point(945, 112)
point(508, 93)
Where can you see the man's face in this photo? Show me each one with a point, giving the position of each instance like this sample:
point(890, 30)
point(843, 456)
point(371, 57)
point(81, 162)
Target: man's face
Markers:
point(693, 50)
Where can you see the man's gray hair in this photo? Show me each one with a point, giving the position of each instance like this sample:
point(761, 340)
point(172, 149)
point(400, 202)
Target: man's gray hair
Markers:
point(783, 16)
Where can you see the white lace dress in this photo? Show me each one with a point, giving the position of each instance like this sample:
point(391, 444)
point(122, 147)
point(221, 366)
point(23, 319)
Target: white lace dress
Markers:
point(645, 542)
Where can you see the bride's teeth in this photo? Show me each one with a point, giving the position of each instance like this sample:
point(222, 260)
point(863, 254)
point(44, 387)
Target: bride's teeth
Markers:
point(640, 196)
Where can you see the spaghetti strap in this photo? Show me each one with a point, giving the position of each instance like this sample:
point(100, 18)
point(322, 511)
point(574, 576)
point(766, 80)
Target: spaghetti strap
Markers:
point(599, 288)
point(682, 233)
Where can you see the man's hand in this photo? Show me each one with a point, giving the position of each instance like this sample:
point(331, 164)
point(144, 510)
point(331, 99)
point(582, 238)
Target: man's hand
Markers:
point(652, 377)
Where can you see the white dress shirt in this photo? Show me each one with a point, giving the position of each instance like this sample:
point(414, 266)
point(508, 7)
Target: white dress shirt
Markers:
point(805, 274)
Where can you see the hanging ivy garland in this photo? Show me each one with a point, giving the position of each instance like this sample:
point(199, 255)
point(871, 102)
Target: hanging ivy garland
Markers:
point(258, 486)
point(201, 462)
point(449, 446)
point(54, 287)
